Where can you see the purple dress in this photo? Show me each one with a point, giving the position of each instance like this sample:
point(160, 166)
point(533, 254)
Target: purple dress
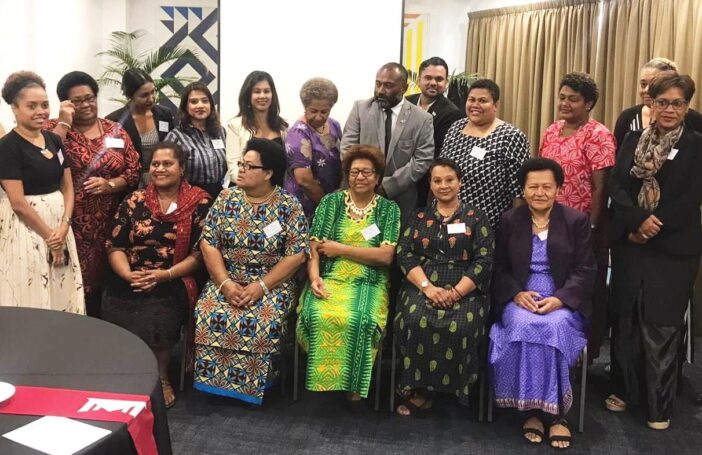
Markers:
point(530, 354)
point(320, 152)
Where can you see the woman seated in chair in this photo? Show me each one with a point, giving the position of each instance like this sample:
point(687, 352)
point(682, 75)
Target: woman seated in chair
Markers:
point(344, 308)
point(445, 252)
point(544, 274)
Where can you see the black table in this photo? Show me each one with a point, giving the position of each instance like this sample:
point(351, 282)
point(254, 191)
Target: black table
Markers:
point(45, 348)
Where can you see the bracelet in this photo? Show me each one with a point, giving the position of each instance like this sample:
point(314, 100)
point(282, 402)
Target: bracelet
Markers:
point(222, 284)
point(456, 291)
point(170, 275)
point(64, 124)
point(67, 220)
point(263, 286)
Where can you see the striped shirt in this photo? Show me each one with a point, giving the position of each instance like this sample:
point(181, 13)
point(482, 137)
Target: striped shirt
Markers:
point(206, 155)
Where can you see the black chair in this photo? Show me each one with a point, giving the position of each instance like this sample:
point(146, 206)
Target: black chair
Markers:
point(377, 366)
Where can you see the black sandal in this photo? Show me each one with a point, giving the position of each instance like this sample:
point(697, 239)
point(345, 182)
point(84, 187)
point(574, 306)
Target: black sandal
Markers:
point(535, 431)
point(559, 438)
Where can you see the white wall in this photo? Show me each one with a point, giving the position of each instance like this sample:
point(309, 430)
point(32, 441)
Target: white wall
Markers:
point(345, 42)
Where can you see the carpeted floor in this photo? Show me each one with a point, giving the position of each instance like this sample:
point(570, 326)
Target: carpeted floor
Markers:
point(321, 423)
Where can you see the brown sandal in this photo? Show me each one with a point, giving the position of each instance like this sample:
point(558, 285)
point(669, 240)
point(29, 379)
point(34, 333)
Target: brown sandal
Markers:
point(168, 393)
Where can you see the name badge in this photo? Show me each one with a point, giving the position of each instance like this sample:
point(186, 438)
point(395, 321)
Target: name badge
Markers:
point(671, 155)
point(478, 152)
point(370, 232)
point(273, 229)
point(162, 126)
point(60, 156)
point(218, 143)
point(114, 143)
point(456, 228)
point(171, 208)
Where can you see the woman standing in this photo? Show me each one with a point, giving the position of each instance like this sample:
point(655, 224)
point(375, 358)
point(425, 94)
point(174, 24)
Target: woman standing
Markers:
point(489, 152)
point(202, 138)
point(152, 249)
point(39, 266)
point(656, 241)
point(254, 239)
point(585, 150)
point(446, 254)
point(146, 122)
point(259, 117)
point(353, 242)
point(104, 166)
point(314, 163)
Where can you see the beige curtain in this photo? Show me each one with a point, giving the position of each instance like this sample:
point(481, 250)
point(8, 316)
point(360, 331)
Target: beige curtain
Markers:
point(527, 49)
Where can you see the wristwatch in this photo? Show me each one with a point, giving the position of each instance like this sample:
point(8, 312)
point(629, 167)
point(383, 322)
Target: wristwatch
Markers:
point(424, 284)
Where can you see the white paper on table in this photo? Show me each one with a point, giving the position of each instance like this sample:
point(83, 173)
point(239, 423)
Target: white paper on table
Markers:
point(57, 435)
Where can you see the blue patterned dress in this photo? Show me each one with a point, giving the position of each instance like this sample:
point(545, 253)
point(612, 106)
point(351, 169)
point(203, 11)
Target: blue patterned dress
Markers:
point(234, 347)
point(530, 354)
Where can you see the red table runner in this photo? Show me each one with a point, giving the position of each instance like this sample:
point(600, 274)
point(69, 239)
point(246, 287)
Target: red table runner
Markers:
point(134, 410)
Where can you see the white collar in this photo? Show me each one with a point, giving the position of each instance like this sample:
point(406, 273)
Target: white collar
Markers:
point(398, 107)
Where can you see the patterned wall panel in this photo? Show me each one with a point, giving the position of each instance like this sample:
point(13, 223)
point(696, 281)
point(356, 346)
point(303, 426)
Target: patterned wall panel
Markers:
point(415, 30)
point(196, 28)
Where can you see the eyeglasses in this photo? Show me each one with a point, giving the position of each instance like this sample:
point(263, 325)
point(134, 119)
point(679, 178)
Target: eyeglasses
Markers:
point(678, 104)
point(248, 166)
point(90, 99)
point(353, 173)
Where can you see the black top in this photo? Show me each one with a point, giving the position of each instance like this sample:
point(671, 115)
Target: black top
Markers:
point(22, 160)
point(444, 114)
point(630, 120)
point(124, 117)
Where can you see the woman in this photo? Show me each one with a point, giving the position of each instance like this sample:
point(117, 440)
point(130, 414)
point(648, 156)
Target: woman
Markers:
point(352, 245)
point(585, 150)
point(104, 166)
point(314, 163)
point(39, 266)
point(489, 152)
point(255, 238)
point(152, 249)
point(544, 271)
point(445, 252)
point(637, 118)
point(259, 117)
point(202, 137)
point(656, 241)
point(146, 122)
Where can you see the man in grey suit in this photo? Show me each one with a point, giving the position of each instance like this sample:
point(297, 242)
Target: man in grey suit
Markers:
point(403, 131)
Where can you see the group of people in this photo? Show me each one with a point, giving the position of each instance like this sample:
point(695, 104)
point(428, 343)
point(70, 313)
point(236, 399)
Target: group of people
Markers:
point(417, 218)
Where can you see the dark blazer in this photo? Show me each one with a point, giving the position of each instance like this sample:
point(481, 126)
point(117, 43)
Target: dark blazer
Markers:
point(693, 120)
point(570, 255)
point(123, 117)
point(444, 113)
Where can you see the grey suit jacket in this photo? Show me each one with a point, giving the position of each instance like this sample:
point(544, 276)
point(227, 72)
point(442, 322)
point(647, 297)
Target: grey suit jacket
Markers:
point(411, 149)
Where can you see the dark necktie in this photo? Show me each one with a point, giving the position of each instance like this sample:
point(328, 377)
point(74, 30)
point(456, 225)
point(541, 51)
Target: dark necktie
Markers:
point(388, 127)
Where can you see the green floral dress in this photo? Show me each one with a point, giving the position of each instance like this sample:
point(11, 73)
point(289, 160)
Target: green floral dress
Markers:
point(439, 348)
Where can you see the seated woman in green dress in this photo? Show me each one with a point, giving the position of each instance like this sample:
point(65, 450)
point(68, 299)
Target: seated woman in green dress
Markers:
point(445, 253)
point(344, 308)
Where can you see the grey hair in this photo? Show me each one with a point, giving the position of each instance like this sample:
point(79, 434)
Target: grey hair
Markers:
point(318, 88)
point(661, 64)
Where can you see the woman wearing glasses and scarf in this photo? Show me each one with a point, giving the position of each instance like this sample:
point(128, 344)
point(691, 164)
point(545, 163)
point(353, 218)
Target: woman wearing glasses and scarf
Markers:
point(656, 240)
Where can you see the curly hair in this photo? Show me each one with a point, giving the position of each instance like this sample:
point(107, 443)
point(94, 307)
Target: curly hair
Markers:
point(583, 84)
point(180, 154)
point(489, 85)
point(18, 81)
point(75, 79)
point(318, 88)
point(364, 152)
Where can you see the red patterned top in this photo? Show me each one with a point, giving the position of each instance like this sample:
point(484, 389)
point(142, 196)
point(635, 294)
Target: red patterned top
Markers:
point(94, 212)
point(591, 148)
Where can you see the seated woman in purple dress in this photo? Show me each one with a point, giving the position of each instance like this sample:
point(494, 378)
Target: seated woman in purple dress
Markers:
point(542, 284)
point(312, 146)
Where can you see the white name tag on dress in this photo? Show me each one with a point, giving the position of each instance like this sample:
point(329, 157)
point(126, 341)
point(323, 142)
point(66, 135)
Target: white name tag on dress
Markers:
point(370, 232)
point(114, 143)
point(478, 152)
point(671, 155)
point(218, 143)
point(171, 208)
point(60, 156)
point(163, 126)
point(456, 228)
point(272, 229)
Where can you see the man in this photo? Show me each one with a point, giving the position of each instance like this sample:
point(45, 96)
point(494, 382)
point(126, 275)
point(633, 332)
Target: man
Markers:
point(400, 129)
point(433, 81)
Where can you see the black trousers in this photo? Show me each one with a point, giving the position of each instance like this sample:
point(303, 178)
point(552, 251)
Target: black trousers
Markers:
point(645, 360)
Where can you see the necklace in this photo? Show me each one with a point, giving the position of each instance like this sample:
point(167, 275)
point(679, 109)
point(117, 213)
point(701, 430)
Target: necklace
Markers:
point(259, 202)
point(360, 212)
point(540, 226)
point(321, 131)
point(48, 154)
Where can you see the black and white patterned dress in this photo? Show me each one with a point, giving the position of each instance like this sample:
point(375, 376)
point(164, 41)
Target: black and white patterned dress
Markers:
point(489, 180)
